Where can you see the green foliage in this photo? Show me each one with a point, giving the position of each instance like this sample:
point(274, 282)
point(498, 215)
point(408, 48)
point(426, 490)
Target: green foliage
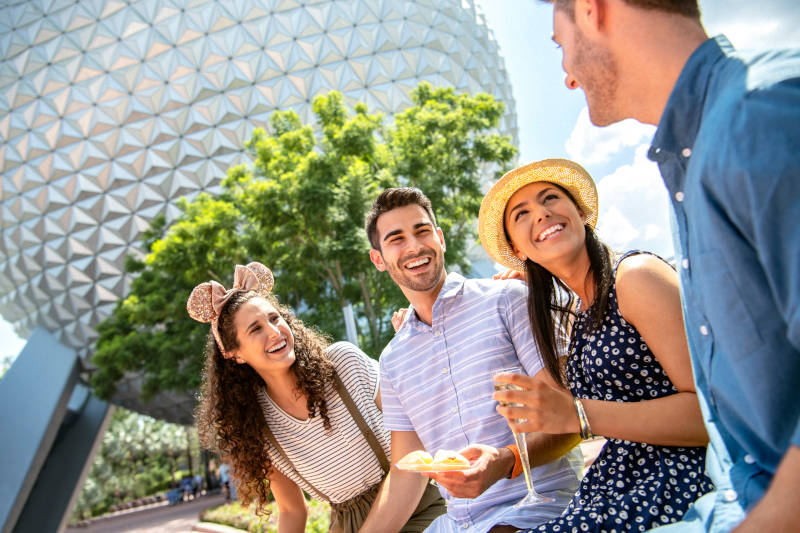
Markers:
point(235, 515)
point(140, 456)
point(299, 208)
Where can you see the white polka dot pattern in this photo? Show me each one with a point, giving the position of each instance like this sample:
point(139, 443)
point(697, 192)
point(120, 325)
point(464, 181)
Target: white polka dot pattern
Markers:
point(631, 486)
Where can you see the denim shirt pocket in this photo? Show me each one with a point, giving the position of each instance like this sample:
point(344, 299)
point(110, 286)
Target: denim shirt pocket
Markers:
point(735, 331)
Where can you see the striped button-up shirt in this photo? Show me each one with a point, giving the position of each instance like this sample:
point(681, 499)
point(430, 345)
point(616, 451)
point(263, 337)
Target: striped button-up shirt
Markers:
point(437, 381)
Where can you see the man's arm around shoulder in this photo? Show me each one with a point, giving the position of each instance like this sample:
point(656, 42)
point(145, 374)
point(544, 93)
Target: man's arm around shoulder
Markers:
point(401, 491)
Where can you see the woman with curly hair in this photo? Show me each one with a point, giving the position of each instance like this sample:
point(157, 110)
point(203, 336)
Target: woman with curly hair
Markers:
point(289, 411)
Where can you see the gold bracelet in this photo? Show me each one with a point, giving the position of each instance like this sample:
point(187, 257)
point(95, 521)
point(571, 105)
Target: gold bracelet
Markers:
point(583, 421)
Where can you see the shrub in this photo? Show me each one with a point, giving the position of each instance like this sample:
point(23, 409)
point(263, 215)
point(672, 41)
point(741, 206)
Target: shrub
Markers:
point(235, 515)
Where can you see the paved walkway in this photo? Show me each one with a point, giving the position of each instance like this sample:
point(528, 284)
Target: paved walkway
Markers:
point(183, 518)
point(157, 518)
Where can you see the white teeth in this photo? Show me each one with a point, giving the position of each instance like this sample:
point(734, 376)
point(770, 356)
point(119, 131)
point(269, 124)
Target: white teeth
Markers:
point(549, 231)
point(276, 348)
point(419, 262)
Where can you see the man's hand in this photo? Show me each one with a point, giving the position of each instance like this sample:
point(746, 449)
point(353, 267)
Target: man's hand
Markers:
point(488, 465)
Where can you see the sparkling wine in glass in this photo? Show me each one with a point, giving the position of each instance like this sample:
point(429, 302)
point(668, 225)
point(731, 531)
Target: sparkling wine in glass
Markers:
point(532, 497)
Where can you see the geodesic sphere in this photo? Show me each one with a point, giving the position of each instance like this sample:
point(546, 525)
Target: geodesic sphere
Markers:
point(110, 110)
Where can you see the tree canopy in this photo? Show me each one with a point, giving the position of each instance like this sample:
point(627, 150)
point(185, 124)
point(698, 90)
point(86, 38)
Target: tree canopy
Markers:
point(299, 208)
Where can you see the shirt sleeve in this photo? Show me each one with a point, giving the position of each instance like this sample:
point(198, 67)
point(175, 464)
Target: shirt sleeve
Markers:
point(765, 199)
point(394, 415)
point(354, 366)
point(519, 327)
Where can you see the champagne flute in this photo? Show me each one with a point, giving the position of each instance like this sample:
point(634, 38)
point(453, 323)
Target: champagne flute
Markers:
point(532, 497)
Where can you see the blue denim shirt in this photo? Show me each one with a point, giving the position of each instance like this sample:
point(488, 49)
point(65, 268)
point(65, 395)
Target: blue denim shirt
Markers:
point(728, 147)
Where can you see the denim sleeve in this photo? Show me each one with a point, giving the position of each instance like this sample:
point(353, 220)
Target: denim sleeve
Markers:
point(764, 197)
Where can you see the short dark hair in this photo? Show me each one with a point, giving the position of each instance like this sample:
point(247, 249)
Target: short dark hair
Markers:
point(393, 198)
point(689, 8)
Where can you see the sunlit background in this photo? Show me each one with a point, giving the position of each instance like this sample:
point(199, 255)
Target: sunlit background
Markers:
point(553, 122)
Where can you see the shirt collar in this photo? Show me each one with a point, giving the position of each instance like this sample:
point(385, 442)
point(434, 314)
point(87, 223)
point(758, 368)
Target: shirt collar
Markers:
point(682, 116)
point(453, 284)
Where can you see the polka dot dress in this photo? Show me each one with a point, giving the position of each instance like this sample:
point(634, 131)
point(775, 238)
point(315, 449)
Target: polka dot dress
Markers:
point(631, 486)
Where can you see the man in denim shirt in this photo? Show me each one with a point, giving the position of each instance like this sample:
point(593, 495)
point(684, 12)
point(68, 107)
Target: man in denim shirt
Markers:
point(728, 147)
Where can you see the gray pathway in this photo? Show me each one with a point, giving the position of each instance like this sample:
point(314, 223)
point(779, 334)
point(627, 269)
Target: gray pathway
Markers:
point(162, 519)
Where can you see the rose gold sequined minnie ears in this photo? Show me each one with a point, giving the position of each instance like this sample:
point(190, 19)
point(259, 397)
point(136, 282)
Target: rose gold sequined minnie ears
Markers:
point(208, 299)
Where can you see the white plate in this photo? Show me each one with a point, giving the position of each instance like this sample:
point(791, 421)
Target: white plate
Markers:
point(435, 468)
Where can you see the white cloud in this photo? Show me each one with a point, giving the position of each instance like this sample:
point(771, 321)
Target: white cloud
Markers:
point(589, 144)
point(748, 24)
point(634, 207)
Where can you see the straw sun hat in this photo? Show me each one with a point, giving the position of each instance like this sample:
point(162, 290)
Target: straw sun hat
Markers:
point(491, 221)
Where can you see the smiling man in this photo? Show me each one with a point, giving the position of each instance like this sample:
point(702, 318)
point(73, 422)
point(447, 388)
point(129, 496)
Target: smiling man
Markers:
point(727, 148)
point(436, 382)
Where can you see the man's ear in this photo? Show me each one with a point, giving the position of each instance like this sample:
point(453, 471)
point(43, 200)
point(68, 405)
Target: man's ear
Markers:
point(590, 15)
point(377, 259)
point(440, 234)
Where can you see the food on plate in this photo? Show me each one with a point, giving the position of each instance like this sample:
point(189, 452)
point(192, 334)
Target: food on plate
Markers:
point(422, 461)
point(450, 458)
point(417, 457)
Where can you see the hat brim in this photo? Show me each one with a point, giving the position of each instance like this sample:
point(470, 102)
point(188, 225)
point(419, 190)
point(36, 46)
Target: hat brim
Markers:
point(491, 220)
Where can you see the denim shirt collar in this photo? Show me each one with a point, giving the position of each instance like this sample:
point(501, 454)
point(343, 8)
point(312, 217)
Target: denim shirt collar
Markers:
point(453, 284)
point(682, 116)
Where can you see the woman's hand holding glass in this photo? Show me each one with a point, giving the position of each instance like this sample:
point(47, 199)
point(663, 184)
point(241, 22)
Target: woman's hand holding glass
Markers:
point(539, 406)
point(502, 383)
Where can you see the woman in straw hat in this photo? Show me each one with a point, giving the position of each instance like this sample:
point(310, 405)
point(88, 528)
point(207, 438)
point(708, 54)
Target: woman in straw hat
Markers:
point(627, 371)
point(289, 411)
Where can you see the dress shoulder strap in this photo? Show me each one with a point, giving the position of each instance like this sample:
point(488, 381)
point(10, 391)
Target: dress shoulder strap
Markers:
point(630, 253)
point(369, 435)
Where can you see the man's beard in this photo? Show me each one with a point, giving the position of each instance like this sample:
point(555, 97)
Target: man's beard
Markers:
point(596, 71)
point(407, 280)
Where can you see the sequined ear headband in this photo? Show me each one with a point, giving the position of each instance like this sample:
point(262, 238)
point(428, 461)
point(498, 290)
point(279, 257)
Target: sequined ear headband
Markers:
point(208, 299)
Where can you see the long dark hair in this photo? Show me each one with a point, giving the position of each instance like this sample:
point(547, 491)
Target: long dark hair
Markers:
point(230, 419)
point(551, 302)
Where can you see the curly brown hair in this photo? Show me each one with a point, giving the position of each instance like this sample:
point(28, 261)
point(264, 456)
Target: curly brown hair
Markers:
point(230, 419)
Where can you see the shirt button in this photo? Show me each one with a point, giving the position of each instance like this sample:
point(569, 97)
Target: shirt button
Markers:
point(703, 330)
point(686, 152)
point(454, 409)
point(685, 264)
point(444, 370)
point(730, 495)
point(437, 332)
point(749, 459)
point(679, 196)
point(465, 525)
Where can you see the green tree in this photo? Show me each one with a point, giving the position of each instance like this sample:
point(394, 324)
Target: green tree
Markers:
point(299, 208)
point(139, 456)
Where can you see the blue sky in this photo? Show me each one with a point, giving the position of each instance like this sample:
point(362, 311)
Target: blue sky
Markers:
point(553, 121)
